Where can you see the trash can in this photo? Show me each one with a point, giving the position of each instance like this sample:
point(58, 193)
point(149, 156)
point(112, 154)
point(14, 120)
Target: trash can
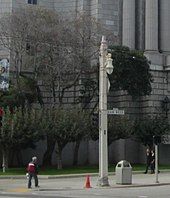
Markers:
point(123, 172)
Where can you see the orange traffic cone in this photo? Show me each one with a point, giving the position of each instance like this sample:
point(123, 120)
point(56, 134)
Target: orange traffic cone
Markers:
point(87, 183)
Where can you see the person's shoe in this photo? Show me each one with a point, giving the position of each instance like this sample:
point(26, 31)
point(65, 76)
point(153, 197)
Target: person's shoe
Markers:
point(145, 172)
point(29, 187)
point(37, 186)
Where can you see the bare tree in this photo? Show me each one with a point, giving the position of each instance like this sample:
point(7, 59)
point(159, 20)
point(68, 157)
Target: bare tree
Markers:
point(21, 34)
point(59, 50)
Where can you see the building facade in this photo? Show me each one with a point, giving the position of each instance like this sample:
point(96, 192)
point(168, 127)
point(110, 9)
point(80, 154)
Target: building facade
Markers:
point(139, 24)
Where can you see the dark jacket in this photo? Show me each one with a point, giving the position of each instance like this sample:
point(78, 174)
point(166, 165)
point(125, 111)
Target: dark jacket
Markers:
point(148, 158)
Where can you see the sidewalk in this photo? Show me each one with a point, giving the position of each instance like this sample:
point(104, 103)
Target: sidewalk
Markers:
point(138, 180)
point(143, 180)
point(77, 181)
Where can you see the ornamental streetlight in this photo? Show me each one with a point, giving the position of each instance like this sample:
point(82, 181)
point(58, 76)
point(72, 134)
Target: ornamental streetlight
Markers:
point(106, 67)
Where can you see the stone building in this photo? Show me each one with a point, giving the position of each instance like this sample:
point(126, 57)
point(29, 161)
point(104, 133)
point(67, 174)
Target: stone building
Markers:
point(145, 26)
point(138, 24)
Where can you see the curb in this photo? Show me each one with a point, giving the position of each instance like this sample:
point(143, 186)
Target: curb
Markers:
point(110, 187)
point(67, 175)
point(141, 185)
point(50, 176)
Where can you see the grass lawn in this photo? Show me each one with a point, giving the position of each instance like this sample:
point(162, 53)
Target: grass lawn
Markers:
point(73, 170)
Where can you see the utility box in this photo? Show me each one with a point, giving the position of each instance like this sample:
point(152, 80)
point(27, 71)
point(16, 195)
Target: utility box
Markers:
point(123, 172)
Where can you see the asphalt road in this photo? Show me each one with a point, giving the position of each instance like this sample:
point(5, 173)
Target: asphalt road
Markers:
point(143, 186)
point(142, 192)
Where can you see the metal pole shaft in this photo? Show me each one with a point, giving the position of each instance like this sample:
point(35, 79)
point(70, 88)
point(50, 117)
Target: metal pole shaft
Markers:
point(103, 144)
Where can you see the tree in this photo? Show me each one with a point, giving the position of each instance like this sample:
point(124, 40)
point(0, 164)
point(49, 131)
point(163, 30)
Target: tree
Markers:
point(56, 49)
point(23, 33)
point(16, 31)
point(61, 52)
point(144, 130)
point(56, 126)
point(119, 127)
point(63, 132)
point(23, 95)
point(88, 91)
point(70, 55)
point(80, 129)
point(131, 72)
point(19, 130)
point(62, 126)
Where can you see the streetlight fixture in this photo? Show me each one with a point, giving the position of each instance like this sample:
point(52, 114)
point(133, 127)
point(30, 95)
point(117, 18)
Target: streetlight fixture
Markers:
point(109, 66)
point(106, 67)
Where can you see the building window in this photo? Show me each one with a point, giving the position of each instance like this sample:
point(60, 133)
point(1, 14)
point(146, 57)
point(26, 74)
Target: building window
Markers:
point(32, 1)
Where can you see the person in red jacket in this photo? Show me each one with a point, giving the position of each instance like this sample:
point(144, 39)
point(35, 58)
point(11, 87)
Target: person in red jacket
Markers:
point(32, 169)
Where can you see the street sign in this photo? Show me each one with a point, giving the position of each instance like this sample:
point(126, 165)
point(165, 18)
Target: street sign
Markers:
point(115, 111)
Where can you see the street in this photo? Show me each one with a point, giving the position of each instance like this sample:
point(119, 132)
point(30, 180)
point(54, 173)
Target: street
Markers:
point(139, 192)
point(143, 186)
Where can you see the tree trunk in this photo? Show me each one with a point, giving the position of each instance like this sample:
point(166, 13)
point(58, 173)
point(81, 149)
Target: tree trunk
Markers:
point(19, 158)
point(87, 160)
point(59, 157)
point(4, 160)
point(11, 157)
point(59, 164)
point(48, 154)
point(76, 150)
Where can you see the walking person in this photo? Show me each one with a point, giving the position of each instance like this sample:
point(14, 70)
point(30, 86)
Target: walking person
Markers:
point(152, 162)
point(148, 160)
point(32, 169)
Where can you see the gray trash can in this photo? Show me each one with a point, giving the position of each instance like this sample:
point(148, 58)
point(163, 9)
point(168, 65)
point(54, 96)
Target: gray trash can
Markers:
point(123, 172)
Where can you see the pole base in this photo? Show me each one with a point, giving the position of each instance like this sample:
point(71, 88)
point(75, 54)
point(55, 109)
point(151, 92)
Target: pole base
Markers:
point(103, 182)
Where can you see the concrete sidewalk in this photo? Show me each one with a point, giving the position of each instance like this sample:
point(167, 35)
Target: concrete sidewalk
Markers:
point(77, 181)
point(143, 180)
point(143, 185)
point(138, 180)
